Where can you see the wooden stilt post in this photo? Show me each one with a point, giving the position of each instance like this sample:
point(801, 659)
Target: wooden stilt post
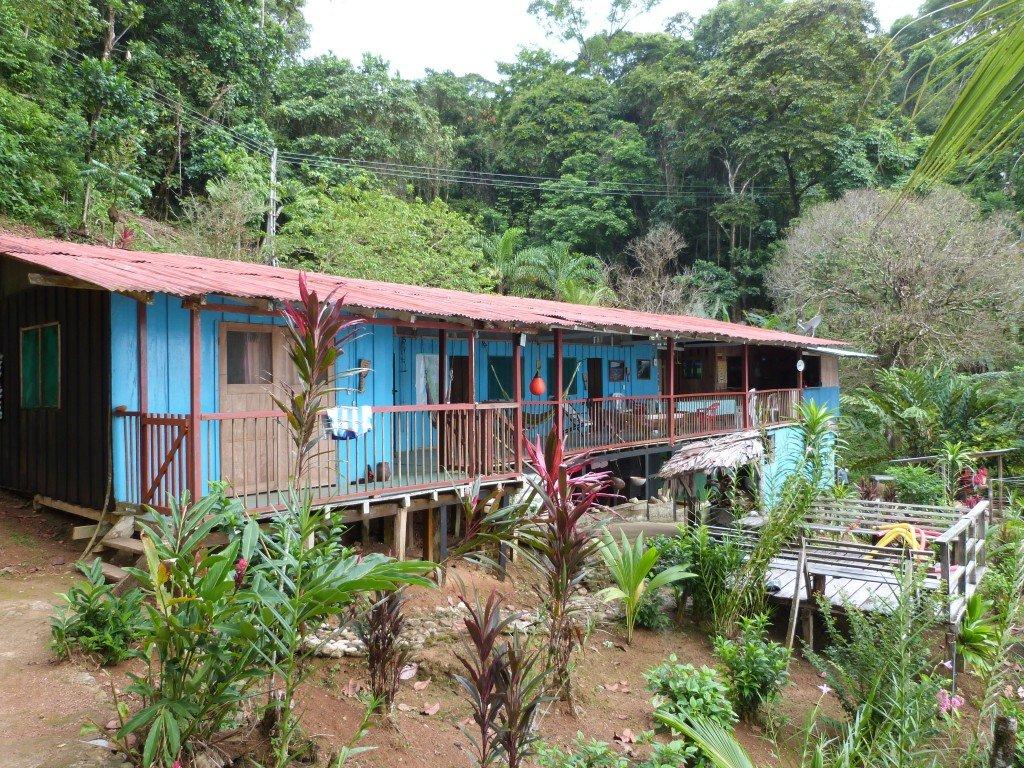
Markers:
point(195, 469)
point(559, 387)
point(442, 532)
point(401, 529)
point(429, 528)
point(798, 586)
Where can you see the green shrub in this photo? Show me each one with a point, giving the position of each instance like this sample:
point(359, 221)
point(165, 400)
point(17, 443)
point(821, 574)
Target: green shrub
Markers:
point(684, 690)
point(96, 621)
point(650, 614)
point(882, 669)
point(586, 754)
point(600, 754)
point(757, 667)
point(914, 484)
point(714, 564)
point(675, 754)
point(631, 565)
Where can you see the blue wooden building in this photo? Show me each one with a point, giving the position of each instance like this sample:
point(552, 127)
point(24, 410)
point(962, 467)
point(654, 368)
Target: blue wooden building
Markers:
point(129, 377)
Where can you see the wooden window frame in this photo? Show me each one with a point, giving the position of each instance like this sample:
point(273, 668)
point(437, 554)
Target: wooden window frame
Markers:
point(39, 368)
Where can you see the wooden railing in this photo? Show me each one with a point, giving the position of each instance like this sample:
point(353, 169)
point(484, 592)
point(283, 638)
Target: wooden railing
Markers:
point(155, 453)
point(769, 407)
point(413, 447)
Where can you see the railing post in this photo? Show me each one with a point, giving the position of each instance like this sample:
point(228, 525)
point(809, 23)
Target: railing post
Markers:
point(671, 363)
point(517, 394)
point(559, 388)
point(195, 469)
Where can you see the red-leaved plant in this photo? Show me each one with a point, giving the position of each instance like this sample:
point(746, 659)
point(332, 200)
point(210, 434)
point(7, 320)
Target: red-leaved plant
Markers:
point(562, 546)
point(315, 329)
point(505, 685)
point(482, 662)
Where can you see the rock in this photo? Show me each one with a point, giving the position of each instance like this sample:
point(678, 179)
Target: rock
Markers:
point(59, 560)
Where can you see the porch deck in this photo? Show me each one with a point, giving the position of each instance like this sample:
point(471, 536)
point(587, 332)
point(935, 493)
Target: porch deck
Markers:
point(413, 448)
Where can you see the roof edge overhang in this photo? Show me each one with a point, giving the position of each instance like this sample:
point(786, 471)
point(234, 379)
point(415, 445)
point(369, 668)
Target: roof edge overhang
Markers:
point(194, 278)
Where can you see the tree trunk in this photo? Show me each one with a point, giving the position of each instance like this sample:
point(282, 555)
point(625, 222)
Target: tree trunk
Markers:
point(794, 190)
point(1004, 742)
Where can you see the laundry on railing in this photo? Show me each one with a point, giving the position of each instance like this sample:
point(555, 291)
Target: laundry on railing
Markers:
point(346, 422)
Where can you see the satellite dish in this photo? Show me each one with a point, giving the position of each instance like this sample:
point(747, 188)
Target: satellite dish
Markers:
point(808, 326)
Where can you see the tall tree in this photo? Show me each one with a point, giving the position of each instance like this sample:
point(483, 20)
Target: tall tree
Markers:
point(931, 280)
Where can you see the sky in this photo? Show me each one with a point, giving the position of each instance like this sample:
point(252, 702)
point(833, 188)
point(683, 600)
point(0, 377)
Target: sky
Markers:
point(470, 36)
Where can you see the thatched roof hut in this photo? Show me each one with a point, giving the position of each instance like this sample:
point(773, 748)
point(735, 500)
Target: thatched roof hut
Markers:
point(724, 452)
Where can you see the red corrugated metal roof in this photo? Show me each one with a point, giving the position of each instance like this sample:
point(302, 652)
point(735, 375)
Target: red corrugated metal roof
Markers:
point(137, 271)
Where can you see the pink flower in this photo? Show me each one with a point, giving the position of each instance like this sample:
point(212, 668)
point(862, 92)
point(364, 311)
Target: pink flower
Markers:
point(979, 478)
point(948, 663)
point(240, 568)
point(949, 703)
point(825, 689)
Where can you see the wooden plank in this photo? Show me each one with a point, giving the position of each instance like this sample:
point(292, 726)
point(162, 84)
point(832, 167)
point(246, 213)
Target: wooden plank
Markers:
point(67, 507)
point(124, 544)
point(79, 532)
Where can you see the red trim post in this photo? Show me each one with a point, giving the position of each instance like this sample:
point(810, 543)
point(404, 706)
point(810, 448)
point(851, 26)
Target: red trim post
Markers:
point(517, 394)
point(746, 386)
point(671, 363)
point(141, 317)
point(442, 397)
point(474, 447)
point(195, 471)
point(559, 387)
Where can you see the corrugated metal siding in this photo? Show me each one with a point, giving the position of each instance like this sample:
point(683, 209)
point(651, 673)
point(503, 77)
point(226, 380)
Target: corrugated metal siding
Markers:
point(59, 452)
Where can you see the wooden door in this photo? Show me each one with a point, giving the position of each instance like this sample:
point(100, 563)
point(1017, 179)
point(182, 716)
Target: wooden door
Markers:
point(457, 450)
point(256, 452)
point(595, 377)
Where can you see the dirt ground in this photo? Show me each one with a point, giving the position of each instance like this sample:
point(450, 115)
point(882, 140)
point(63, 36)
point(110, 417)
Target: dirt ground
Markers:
point(44, 705)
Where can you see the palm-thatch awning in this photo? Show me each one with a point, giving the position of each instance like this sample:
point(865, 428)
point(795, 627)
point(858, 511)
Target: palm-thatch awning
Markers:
point(725, 452)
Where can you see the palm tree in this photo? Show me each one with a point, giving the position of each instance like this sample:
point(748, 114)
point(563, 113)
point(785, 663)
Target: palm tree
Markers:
point(986, 54)
point(918, 409)
point(503, 256)
point(552, 270)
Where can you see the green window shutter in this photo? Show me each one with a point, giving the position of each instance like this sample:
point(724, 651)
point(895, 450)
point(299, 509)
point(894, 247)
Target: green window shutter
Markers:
point(49, 366)
point(40, 366)
point(30, 368)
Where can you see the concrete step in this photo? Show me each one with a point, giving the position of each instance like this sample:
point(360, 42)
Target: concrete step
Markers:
point(113, 573)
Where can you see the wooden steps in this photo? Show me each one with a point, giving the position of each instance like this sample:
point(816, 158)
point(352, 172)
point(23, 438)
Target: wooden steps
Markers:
point(120, 545)
point(113, 573)
point(124, 544)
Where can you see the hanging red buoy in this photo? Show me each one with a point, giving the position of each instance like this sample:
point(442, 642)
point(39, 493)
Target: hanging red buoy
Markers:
point(537, 385)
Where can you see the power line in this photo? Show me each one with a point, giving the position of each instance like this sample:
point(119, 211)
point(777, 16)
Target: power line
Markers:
point(435, 174)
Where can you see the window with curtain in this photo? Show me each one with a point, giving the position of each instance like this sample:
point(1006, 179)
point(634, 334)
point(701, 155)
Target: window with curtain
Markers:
point(40, 366)
point(250, 357)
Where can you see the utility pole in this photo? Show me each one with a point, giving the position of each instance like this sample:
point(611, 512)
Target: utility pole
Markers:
point(272, 210)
